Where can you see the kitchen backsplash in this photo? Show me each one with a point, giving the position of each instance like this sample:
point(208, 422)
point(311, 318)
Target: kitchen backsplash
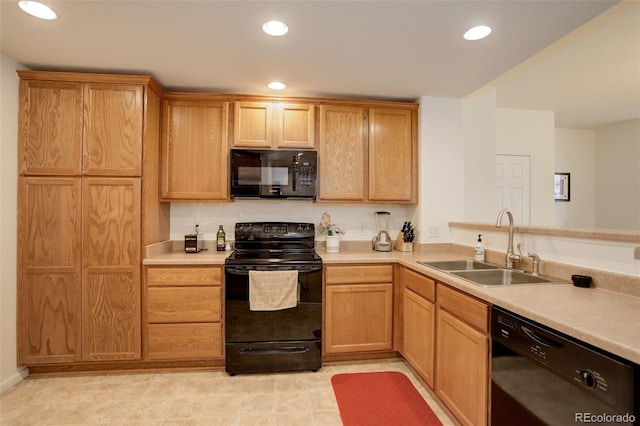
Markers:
point(356, 221)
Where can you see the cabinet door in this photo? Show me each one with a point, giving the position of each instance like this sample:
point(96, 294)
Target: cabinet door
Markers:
point(295, 125)
point(185, 341)
point(195, 151)
point(419, 334)
point(358, 317)
point(391, 153)
point(462, 369)
point(253, 124)
point(113, 129)
point(341, 154)
point(50, 128)
point(111, 269)
point(49, 265)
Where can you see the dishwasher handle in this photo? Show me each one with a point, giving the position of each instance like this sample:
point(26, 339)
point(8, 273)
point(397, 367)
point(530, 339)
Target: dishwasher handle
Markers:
point(544, 341)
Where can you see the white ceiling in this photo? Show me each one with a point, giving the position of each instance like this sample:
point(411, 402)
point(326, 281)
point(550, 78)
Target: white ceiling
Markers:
point(366, 49)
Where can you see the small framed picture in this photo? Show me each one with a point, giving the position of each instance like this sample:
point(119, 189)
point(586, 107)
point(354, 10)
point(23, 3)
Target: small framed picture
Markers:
point(562, 187)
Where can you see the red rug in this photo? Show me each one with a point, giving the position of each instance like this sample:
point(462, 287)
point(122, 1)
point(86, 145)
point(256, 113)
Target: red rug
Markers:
point(380, 399)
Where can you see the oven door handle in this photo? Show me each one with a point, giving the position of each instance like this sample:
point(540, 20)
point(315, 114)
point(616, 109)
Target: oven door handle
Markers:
point(243, 271)
point(274, 351)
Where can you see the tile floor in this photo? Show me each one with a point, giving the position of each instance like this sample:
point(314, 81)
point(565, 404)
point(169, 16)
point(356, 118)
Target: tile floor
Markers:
point(188, 398)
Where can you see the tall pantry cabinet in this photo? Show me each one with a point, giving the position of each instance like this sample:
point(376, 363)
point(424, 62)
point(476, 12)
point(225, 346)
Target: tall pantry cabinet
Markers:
point(88, 164)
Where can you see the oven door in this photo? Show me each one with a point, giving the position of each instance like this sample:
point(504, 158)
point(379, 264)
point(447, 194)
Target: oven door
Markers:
point(282, 340)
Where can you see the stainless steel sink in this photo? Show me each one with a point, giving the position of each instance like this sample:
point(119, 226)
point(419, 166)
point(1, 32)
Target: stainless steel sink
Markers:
point(458, 265)
point(499, 277)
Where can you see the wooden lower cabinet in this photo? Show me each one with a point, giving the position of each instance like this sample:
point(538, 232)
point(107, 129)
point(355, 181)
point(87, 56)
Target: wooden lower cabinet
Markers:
point(358, 308)
point(50, 270)
point(419, 314)
point(183, 313)
point(111, 269)
point(462, 359)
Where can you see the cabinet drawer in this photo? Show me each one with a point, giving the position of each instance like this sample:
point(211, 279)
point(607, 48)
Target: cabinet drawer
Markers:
point(471, 310)
point(184, 341)
point(424, 286)
point(184, 276)
point(183, 304)
point(358, 274)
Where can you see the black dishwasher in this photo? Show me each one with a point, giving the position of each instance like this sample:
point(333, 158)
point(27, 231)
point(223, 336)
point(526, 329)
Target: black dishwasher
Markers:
point(540, 376)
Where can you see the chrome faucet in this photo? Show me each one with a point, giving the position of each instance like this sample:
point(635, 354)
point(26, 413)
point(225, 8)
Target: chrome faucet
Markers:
point(535, 269)
point(511, 256)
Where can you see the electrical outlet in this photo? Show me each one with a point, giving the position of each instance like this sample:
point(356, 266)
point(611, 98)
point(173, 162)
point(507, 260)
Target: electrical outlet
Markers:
point(433, 232)
point(362, 229)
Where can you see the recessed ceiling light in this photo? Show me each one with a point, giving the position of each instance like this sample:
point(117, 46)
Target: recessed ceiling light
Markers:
point(276, 85)
point(477, 33)
point(38, 10)
point(275, 28)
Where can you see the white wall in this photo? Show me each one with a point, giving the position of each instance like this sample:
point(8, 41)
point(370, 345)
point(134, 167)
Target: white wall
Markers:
point(442, 169)
point(479, 133)
point(349, 217)
point(9, 373)
point(618, 176)
point(612, 256)
point(576, 154)
point(531, 133)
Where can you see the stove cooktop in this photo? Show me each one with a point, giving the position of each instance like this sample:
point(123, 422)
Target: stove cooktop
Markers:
point(270, 257)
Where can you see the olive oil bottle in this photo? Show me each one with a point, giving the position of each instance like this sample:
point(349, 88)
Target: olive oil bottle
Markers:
point(220, 239)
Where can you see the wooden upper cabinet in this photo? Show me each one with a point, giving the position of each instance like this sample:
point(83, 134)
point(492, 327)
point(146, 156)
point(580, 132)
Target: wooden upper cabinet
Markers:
point(50, 135)
point(295, 126)
point(113, 119)
point(73, 128)
point(392, 152)
point(273, 125)
point(195, 150)
point(341, 153)
point(253, 124)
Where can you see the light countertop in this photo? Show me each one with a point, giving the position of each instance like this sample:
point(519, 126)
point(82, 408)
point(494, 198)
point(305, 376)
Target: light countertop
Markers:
point(603, 318)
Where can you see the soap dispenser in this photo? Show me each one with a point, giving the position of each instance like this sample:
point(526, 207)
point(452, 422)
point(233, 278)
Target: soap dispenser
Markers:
point(479, 249)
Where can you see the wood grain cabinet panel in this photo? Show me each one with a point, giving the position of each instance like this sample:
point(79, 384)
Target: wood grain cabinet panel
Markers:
point(391, 153)
point(179, 304)
point(184, 276)
point(358, 308)
point(111, 269)
point(358, 318)
point(341, 153)
point(183, 314)
point(253, 125)
point(49, 268)
point(195, 150)
point(80, 245)
point(419, 334)
point(462, 359)
point(273, 125)
point(113, 119)
point(185, 341)
point(368, 153)
point(50, 135)
point(295, 125)
point(418, 322)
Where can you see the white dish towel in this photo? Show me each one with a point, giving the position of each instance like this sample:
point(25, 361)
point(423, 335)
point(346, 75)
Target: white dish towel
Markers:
point(273, 290)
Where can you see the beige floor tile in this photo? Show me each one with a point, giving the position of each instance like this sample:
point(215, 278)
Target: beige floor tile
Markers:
point(211, 398)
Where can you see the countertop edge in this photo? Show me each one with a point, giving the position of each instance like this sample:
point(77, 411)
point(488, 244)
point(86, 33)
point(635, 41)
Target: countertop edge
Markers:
point(536, 307)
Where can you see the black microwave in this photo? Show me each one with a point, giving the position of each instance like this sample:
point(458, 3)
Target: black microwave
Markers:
point(273, 174)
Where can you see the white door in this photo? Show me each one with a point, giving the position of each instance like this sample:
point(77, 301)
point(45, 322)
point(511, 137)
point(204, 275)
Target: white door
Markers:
point(512, 186)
